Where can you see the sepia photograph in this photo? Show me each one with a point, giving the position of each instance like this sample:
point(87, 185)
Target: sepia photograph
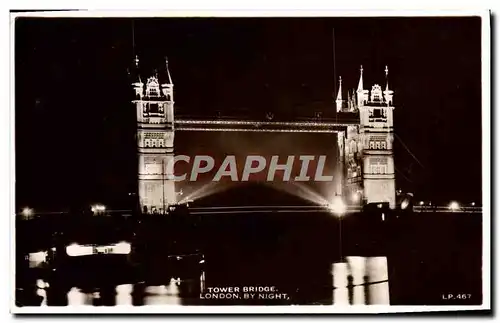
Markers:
point(214, 163)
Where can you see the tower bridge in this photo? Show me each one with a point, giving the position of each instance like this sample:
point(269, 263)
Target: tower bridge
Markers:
point(363, 124)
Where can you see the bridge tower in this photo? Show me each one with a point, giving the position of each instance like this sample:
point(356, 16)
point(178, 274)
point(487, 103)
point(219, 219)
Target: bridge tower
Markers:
point(154, 102)
point(366, 149)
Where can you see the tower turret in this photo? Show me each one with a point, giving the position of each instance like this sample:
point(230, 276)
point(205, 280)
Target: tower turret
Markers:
point(362, 94)
point(339, 101)
point(136, 77)
point(387, 93)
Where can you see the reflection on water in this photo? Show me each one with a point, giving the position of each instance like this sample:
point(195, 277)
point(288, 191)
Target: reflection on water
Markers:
point(361, 281)
point(357, 281)
point(297, 255)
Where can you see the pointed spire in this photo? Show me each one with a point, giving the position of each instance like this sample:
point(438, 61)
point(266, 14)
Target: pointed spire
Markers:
point(169, 78)
point(136, 73)
point(360, 84)
point(386, 78)
point(339, 101)
point(387, 93)
point(339, 93)
point(136, 79)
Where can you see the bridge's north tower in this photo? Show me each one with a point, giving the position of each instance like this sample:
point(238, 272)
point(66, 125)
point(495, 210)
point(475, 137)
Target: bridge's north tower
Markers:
point(154, 102)
point(366, 149)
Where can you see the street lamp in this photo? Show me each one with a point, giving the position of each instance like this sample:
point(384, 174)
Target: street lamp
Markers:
point(27, 212)
point(454, 206)
point(98, 208)
point(338, 207)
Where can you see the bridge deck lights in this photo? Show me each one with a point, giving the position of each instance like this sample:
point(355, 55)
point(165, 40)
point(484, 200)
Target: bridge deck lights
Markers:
point(27, 212)
point(338, 207)
point(454, 206)
point(98, 208)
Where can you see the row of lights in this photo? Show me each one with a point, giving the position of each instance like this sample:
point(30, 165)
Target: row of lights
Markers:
point(182, 128)
point(337, 206)
point(98, 208)
point(28, 212)
point(454, 205)
point(263, 123)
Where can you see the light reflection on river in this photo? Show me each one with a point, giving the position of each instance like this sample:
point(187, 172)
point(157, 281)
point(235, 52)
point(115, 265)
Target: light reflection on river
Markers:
point(358, 281)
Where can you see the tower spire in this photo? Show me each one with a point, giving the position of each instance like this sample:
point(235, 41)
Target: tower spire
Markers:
point(339, 93)
point(167, 84)
point(339, 100)
point(362, 94)
point(169, 78)
point(136, 61)
point(387, 93)
point(386, 78)
point(136, 72)
point(360, 84)
point(136, 79)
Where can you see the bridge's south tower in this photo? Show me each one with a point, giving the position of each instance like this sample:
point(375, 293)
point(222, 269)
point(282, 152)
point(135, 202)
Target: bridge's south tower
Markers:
point(367, 148)
point(154, 102)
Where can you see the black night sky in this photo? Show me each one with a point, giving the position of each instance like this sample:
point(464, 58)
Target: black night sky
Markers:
point(75, 124)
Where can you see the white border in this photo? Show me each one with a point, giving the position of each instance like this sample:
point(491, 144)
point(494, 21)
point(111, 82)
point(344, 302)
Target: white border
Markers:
point(366, 309)
point(183, 12)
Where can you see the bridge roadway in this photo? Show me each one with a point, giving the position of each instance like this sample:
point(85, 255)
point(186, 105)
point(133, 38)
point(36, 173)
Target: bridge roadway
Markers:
point(318, 125)
point(207, 210)
point(318, 208)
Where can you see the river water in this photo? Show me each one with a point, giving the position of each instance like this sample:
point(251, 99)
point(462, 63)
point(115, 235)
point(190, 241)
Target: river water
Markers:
point(272, 259)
